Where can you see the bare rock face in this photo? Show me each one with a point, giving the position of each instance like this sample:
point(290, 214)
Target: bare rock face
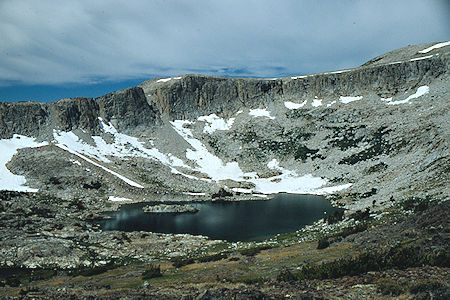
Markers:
point(195, 95)
point(70, 114)
point(126, 109)
point(190, 96)
point(25, 118)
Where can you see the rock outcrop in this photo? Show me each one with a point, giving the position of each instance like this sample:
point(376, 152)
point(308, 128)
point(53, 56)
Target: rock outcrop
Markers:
point(126, 109)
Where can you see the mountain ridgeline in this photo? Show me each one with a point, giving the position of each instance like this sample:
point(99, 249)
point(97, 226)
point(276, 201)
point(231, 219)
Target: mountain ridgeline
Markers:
point(379, 130)
point(196, 95)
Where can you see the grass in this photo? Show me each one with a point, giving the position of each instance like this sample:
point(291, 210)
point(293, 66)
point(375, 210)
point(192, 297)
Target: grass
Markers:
point(400, 257)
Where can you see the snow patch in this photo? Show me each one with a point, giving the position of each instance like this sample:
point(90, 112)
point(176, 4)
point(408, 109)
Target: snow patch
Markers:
point(215, 123)
point(164, 79)
point(123, 178)
point(118, 199)
point(260, 195)
point(298, 77)
point(331, 103)
point(292, 105)
point(75, 162)
point(420, 58)
point(316, 102)
point(194, 194)
point(260, 112)
point(333, 189)
point(339, 72)
point(8, 148)
point(349, 99)
point(420, 92)
point(122, 146)
point(435, 46)
point(288, 181)
point(207, 162)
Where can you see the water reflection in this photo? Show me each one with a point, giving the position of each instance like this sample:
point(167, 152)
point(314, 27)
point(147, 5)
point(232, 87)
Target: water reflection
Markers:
point(232, 221)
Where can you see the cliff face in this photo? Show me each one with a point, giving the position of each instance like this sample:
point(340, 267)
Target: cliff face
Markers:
point(127, 109)
point(191, 96)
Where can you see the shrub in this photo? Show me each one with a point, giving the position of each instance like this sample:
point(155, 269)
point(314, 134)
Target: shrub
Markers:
point(397, 257)
point(286, 275)
point(352, 230)
point(323, 243)
point(335, 217)
point(253, 251)
point(180, 261)
point(213, 257)
point(427, 285)
point(388, 286)
point(152, 272)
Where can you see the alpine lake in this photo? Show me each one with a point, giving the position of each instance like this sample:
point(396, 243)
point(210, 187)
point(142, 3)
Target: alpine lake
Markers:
point(227, 220)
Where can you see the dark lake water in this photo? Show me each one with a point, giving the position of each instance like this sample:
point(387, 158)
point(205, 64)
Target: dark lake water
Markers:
point(232, 221)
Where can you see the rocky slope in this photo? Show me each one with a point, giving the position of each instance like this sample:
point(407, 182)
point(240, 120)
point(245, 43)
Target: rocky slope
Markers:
point(380, 127)
point(373, 137)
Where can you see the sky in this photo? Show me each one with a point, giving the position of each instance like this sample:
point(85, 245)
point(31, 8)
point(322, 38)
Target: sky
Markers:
point(57, 49)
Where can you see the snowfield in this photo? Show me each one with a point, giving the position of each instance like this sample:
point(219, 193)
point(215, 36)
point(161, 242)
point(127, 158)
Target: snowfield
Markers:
point(260, 112)
point(436, 46)
point(292, 105)
point(349, 99)
point(316, 102)
point(98, 151)
point(420, 92)
point(9, 147)
point(213, 123)
point(216, 169)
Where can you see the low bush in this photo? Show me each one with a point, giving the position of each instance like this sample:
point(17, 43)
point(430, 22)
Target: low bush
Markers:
point(352, 230)
point(152, 272)
point(396, 258)
point(391, 287)
point(323, 243)
point(427, 285)
point(286, 275)
point(253, 251)
point(213, 257)
point(335, 217)
point(181, 261)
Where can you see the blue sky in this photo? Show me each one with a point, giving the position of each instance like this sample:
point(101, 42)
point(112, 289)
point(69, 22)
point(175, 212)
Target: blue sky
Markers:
point(56, 49)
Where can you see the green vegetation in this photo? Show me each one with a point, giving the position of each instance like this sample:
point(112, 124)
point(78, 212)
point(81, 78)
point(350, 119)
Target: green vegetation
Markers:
point(16, 276)
point(345, 137)
point(391, 287)
point(254, 250)
point(378, 146)
point(213, 257)
point(397, 257)
point(394, 287)
point(323, 243)
point(416, 204)
point(152, 272)
point(181, 261)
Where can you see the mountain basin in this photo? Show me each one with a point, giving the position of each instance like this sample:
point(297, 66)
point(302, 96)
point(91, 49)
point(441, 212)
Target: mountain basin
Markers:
point(227, 220)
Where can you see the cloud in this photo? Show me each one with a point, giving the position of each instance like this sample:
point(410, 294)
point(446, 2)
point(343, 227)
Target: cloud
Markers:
point(81, 41)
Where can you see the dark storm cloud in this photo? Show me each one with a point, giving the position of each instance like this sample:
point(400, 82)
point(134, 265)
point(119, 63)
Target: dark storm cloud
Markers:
point(49, 42)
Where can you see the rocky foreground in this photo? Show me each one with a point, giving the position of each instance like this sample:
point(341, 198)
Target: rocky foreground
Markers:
point(373, 140)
